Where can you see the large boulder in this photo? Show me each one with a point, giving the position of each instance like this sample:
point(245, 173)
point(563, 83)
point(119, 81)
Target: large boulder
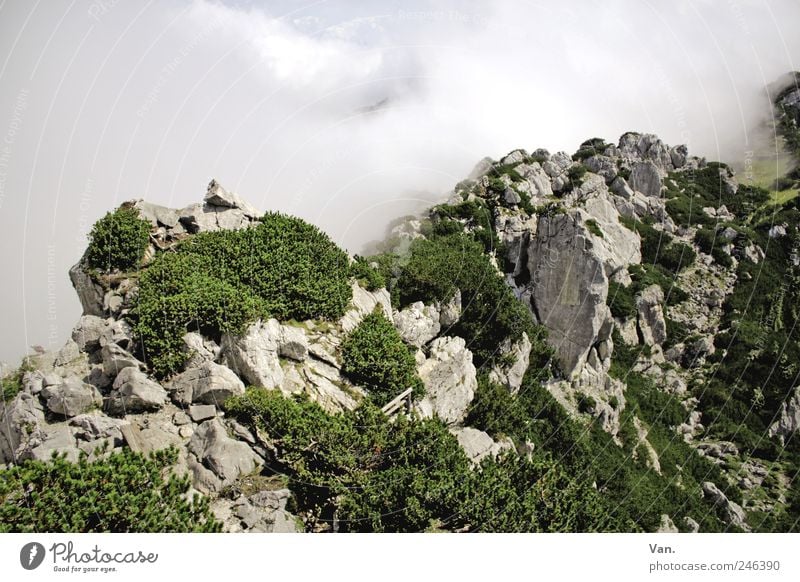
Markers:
point(133, 391)
point(254, 355)
point(478, 445)
point(450, 380)
point(22, 421)
point(116, 359)
point(789, 420)
point(646, 178)
point(88, 331)
point(732, 511)
point(71, 398)
point(208, 383)
point(224, 456)
point(364, 303)
point(218, 196)
point(418, 323)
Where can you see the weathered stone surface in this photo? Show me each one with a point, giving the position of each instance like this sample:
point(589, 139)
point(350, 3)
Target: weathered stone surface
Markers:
point(646, 178)
point(57, 438)
point(88, 331)
point(293, 343)
point(134, 392)
point(208, 383)
point(96, 425)
point(519, 353)
point(789, 420)
point(449, 378)
point(364, 303)
point(225, 457)
point(199, 349)
point(216, 195)
point(734, 514)
point(652, 326)
point(450, 311)
point(71, 398)
point(254, 355)
point(418, 323)
point(157, 215)
point(90, 293)
point(22, 418)
point(478, 445)
point(201, 412)
point(116, 359)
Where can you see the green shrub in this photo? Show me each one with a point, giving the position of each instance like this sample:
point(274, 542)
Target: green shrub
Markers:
point(710, 243)
point(495, 411)
point(491, 313)
point(591, 147)
point(217, 282)
point(124, 492)
point(367, 276)
point(593, 227)
point(406, 475)
point(576, 174)
point(375, 357)
point(621, 300)
point(117, 241)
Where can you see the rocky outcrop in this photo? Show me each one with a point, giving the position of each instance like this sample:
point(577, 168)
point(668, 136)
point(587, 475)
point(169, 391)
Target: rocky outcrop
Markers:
point(732, 511)
point(224, 457)
point(418, 323)
point(646, 178)
point(652, 327)
point(71, 398)
point(516, 358)
point(133, 391)
point(789, 420)
point(254, 355)
point(362, 304)
point(450, 380)
point(478, 445)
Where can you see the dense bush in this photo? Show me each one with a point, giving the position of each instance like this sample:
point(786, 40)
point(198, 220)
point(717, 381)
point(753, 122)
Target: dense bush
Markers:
point(117, 241)
point(710, 243)
point(407, 475)
point(217, 282)
point(375, 357)
point(491, 312)
point(124, 492)
point(367, 276)
point(591, 147)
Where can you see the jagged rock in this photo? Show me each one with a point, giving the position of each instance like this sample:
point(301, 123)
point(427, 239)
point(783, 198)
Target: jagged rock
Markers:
point(418, 323)
point(691, 525)
point(538, 181)
point(134, 392)
point(201, 412)
point(514, 157)
point(90, 293)
point(59, 439)
point(209, 383)
point(652, 460)
point(216, 195)
point(157, 215)
point(652, 326)
point(88, 331)
point(777, 231)
point(510, 196)
point(324, 385)
point(96, 425)
point(450, 311)
point(604, 166)
point(519, 353)
point(116, 359)
point(262, 512)
point(627, 329)
point(478, 445)
point(254, 355)
point(718, 450)
point(754, 253)
point(449, 378)
point(646, 178)
point(199, 349)
point(71, 398)
point(225, 457)
point(117, 332)
point(21, 427)
point(666, 525)
point(293, 343)
point(364, 303)
point(789, 420)
point(734, 514)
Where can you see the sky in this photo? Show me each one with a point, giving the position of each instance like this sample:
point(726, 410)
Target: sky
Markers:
point(346, 113)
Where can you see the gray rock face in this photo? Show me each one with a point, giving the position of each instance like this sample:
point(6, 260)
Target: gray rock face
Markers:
point(225, 457)
point(254, 355)
point(450, 380)
point(116, 359)
point(734, 514)
point(157, 215)
point(651, 316)
point(216, 195)
point(209, 383)
point(90, 293)
point(199, 349)
point(96, 425)
point(646, 178)
point(21, 426)
point(789, 420)
point(57, 438)
point(450, 311)
point(201, 412)
point(262, 512)
point(135, 392)
point(363, 303)
point(418, 323)
point(72, 398)
point(88, 331)
point(478, 445)
point(519, 353)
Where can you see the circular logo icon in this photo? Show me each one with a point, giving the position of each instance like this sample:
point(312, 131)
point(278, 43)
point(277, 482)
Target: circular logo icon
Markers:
point(31, 555)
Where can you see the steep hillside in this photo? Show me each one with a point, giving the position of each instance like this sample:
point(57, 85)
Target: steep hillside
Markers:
point(597, 342)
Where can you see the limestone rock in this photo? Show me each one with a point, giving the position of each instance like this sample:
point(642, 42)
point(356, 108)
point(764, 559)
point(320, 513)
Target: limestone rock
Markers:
point(72, 398)
point(734, 514)
point(652, 326)
point(225, 457)
point(449, 378)
point(88, 331)
point(116, 359)
point(418, 323)
point(216, 195)
point(199, 349)
point(90, 293)
point(478, 445)
point(362, 304)
point(450, 311)
point(21, 426)
point(646, 178)
point(134, 392)
point(518, 353)
point(789, 420)
point(254, 355)
point(208, 383)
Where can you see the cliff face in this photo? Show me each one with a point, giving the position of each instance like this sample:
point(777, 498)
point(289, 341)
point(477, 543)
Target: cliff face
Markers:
point(655, 300)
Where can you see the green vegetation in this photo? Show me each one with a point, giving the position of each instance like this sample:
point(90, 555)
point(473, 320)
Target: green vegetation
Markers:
point(124, 492)
point(491, 312)
point(594, 228)
point(361, 472)
point(659, 248)
point(367, 276)
point(117, 241)
point(591, 147)
point(711, 243)
point(217, 282)
point(375, 357)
